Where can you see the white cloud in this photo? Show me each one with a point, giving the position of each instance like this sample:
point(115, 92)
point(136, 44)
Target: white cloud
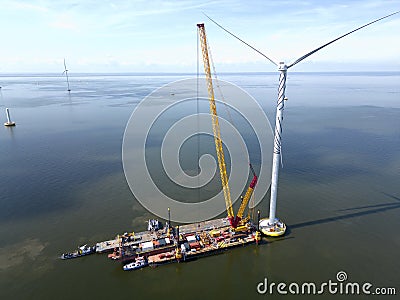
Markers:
point(22, 5)
point(65, 21)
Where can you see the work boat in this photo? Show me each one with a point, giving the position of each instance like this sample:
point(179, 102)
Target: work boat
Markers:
point(139, 263)
point(81, 251)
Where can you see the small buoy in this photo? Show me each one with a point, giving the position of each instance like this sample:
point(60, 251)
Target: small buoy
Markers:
point(9, 122)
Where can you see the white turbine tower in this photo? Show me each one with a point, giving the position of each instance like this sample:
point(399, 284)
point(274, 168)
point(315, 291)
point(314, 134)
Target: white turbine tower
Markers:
point(273, 226)
point(66, 74)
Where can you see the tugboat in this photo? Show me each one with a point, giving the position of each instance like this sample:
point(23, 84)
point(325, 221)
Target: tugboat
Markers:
point(140, 262)
point(81, 251)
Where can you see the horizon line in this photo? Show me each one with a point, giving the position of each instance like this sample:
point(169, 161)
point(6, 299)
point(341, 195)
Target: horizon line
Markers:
point(56, 74)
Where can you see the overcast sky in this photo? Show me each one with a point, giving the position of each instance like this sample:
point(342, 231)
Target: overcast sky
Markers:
point(161, 36)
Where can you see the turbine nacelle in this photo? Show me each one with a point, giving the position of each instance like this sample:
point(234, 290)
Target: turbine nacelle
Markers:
point(282, 66)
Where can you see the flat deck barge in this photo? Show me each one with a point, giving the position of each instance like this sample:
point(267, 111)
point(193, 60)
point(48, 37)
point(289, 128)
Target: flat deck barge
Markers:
point(160, 245)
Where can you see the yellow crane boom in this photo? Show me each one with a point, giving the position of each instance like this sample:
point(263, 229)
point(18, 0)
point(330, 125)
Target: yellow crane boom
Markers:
point(215, 123)
point(238, 220)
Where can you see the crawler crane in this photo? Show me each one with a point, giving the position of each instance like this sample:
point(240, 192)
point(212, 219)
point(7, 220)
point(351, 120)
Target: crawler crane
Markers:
point(238, 223)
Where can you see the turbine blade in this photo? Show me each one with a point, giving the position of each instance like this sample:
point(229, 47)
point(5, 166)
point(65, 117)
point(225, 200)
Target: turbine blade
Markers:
point(342, 36)
point(235, 36)
point(65, 66)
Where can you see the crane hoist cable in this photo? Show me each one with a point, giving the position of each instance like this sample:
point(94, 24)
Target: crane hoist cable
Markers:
point(249, 192)
point(241, 141)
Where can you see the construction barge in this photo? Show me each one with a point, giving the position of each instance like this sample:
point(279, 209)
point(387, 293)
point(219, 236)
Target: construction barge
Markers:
point(161, 245)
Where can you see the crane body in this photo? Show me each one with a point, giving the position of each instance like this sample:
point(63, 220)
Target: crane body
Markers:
point(239, 221)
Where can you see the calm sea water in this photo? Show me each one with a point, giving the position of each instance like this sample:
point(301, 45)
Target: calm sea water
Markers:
point(62, 185)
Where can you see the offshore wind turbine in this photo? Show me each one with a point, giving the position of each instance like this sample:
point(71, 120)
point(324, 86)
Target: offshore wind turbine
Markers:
point(66, 74)
point(273, 226)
